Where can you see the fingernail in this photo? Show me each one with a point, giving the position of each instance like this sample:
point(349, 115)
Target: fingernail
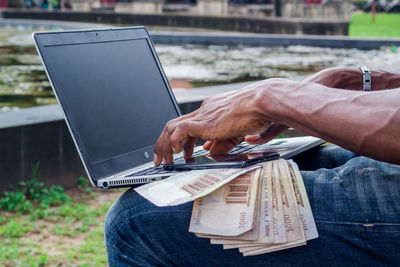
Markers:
point(254, 137)
point(155, 158)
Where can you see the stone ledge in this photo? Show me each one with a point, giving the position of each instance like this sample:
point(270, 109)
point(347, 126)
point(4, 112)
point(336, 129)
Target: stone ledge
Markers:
point(226, 38)
point(188, 100)
point(225, 23)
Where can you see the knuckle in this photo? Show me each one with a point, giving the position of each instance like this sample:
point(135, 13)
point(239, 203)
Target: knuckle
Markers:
point(207, 133)
point(174, 141)
point(183, 125)
point(169, 127)
point(205, 101)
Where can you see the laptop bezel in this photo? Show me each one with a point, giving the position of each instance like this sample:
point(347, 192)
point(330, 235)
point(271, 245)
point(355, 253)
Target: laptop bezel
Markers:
point(112, 166)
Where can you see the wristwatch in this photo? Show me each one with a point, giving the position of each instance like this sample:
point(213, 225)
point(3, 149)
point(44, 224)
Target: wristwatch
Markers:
point(367, 78)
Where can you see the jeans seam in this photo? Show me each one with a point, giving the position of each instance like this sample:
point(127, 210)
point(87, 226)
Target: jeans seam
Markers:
point(358, 223)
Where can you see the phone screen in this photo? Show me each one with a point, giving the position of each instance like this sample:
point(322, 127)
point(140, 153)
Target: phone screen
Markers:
point(242, 157)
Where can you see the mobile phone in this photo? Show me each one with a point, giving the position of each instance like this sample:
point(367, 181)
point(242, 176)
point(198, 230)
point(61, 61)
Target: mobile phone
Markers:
point(222, 161)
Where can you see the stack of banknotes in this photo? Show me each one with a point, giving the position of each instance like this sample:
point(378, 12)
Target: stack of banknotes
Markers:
point(260, 209)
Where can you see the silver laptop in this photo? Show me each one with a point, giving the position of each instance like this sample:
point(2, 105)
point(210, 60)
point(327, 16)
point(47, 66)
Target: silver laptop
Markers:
point(116, 100)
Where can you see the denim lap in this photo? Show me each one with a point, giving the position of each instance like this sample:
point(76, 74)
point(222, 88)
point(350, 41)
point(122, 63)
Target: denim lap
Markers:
point(355, 205)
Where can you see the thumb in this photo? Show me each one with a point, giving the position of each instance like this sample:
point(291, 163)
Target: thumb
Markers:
point(273, 131)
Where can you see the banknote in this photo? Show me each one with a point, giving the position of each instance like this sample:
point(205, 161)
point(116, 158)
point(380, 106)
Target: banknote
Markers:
point(272, 248)
point(278, 225)
point(189, 186)
point(283, 216)
point(229, 210)
point(291, 215)
point(306, 216)
point(265, 215)
point(294, 229)
point(248, 236)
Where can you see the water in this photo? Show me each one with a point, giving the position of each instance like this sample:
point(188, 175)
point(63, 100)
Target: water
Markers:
point(23, 82)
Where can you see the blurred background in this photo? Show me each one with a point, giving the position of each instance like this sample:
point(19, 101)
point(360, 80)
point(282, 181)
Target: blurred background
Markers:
point(49, 215)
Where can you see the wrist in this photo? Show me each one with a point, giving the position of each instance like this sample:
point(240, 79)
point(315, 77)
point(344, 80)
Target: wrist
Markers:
point(382, 80)
point(338, 77)
point(270, 98)
point(349, 79)
point(352, 79)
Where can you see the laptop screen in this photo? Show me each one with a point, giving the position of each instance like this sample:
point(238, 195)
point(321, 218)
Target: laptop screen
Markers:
point(113, 94)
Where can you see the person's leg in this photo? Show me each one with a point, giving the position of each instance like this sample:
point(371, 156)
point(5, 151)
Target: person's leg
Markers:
point(356, 209)
point(357, 212)
point(328, 156)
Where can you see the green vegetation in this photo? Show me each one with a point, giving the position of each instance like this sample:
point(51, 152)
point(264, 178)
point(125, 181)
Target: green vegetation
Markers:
point(33, 197)
point(42, 226)
point(386, 25)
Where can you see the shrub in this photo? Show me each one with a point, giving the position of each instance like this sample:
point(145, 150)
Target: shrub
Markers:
point(32, 193)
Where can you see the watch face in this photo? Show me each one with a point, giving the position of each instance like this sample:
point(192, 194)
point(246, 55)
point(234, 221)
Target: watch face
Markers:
point(367, 79)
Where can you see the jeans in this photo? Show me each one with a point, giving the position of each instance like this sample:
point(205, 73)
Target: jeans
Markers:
point(355, 201)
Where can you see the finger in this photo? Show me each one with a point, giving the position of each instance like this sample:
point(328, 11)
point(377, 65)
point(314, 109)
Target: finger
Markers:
point(163, 140)
point(175, 134)
point(273, 131)
point(224, 146)
point(176, 144)
point(157, 159)
point(188, 146)
point(207, 145)
point(266, 136)
point(168, 157)
point(166, 148)
point(163, 146)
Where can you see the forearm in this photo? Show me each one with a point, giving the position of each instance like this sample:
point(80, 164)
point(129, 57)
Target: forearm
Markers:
point(383, 80)
point(366, 123)
point(351, 79)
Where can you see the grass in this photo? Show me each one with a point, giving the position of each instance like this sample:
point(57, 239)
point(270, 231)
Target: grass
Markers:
point(386, 25)
point(50, 227)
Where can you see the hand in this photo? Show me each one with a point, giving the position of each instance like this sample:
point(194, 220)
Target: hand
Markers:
point(226, 118)
point(224, 146)
point(272, 131)
point(344, 78)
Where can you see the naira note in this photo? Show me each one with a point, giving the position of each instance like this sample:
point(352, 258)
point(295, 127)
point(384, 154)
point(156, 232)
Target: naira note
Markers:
point(265, 216)
point(291, 175)
point(278, 221)
point(229, 210)
point(306, 216)
point(188, 186)
point(291, 215)
point(294, 229)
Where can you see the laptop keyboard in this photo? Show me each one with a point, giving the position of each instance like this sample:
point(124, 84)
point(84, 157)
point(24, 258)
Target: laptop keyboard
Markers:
point(241, 148)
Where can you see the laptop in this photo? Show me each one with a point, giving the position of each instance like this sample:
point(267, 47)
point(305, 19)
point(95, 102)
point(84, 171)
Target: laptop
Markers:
point(116, 100)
